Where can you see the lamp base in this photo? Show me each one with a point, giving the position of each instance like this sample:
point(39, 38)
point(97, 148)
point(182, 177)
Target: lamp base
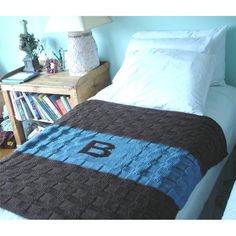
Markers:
point(82, 53)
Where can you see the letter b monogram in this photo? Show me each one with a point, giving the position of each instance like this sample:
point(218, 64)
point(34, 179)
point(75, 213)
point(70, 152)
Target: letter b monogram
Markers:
point(98, 149)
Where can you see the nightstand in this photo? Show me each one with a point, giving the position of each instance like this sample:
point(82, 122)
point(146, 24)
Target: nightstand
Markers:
point(78, 88)
point(1, 103)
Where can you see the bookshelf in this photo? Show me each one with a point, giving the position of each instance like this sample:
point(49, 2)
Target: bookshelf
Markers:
point(1, 103)
point(78, 88)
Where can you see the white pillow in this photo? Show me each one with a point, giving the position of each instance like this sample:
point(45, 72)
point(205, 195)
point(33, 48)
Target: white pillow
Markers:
point(164, 79)
point(217, 45)
point(188, 44)
point(201, 44)
point(178, 33)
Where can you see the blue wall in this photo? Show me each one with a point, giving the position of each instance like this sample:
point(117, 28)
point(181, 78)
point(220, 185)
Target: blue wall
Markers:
point(112, 39)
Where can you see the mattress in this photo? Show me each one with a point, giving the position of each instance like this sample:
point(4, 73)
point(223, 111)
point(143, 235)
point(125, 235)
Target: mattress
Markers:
point(221, 107)
point(214, 110)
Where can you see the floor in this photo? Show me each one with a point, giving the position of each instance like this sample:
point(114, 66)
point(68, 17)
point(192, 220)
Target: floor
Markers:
point(5, 152)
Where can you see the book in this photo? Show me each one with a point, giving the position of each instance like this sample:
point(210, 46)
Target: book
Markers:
point(54, 99)
point(69, 101)
point(43, 113)
point(65, 103)
point(31, 106)
point(21, 111)
point(27, 127)
point(30, 114)
point(43, 96)
point(19, 77)
point(26, 109)
point(46, 107)
point(17, 96)
point(35, 110)
point(61, 106)
point(52, 106)
point(35, 132)
point(13, 102)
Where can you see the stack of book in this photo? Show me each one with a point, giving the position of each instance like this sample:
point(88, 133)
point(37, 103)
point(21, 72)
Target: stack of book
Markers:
point(39, 107)
point(19, 77)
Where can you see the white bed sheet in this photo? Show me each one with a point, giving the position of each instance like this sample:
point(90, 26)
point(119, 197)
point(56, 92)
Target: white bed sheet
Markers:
point(221, 106)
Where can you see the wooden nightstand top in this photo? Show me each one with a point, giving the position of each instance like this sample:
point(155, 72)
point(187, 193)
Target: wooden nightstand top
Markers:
point(62, 81)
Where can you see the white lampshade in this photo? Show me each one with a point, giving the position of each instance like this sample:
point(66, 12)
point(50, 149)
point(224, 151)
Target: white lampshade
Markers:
point(75, 23)
point(82, 49)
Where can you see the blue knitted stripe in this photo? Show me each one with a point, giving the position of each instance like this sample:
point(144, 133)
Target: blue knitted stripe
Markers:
point(171, 170)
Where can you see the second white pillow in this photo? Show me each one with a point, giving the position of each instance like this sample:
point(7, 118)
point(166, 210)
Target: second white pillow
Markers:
point(164, 79)
point(216, 45)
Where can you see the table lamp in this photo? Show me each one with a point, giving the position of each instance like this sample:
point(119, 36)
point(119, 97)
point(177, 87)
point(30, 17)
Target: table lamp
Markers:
point(82, 49)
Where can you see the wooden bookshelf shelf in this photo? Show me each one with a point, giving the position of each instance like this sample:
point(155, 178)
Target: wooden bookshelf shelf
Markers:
point(78, 88)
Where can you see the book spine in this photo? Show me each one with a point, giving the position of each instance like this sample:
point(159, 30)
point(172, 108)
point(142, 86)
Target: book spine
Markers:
point(24, 109)
point(51, 105)
point(61, 106)
point(33, 107)
point(43, 114)
point(29, 105)
point(47, 108)
point(19, 107)
point(13, 102)
point(69, 101)
point(29, 113)
point(65, 103)
point(53, 99)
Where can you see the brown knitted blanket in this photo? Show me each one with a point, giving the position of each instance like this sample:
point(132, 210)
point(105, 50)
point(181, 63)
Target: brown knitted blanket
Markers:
point(104, 160)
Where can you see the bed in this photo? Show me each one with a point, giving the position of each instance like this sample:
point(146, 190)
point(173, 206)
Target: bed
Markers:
point(221, 108)
point(140, 149)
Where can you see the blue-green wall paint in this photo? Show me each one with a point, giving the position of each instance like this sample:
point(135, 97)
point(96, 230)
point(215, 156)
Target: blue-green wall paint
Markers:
point(112, 39)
